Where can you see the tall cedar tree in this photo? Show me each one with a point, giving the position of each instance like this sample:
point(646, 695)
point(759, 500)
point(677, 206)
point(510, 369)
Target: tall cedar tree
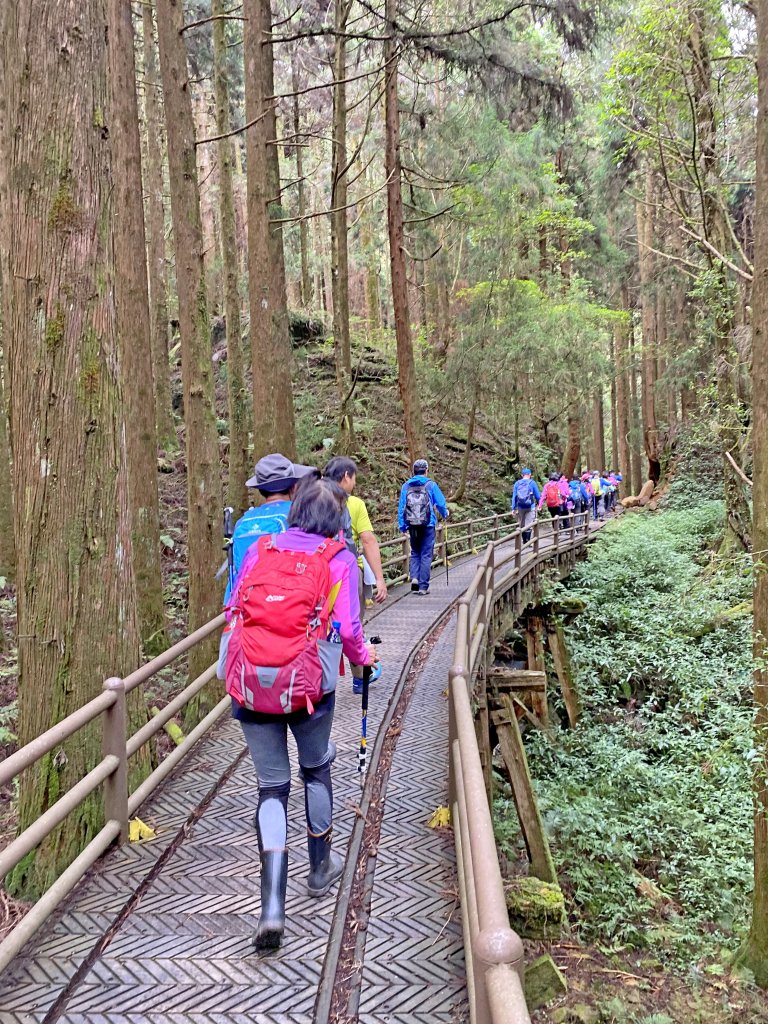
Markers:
point(158, 278)
point(648, 300)
point(76, 594)
point(409, 393)
point(756, 949)
point(236, 389)
point(203, 480)
point(273, 416)
point(132, 301)
point(339, 238)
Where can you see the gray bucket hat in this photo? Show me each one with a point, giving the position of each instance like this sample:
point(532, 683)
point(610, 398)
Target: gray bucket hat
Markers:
point(277, 473)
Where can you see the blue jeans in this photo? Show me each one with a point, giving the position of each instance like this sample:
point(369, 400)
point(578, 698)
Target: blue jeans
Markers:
point(422, 550)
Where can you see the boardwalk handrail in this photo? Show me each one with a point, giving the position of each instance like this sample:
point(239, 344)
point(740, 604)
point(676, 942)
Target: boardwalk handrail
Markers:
point(111, 772)
point(493, 951)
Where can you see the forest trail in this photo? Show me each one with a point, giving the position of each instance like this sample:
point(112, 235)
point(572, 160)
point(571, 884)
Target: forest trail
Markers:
point(161, 931)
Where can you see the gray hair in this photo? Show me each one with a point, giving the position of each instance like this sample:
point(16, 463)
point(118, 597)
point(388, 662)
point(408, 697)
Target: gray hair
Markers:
point(318, 508)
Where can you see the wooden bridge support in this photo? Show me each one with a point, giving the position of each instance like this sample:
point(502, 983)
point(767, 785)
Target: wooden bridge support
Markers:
point(562, 662)
point(513, 753)
point(534, 638)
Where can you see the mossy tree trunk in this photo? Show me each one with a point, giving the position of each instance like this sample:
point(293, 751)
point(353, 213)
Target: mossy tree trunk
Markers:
point(572, 451)
point(621, 445)
point(755, 952)
point(158, 278)
point(76, 593)
point(7, 544)
point(339, 240)
point(409, 393)
point(273, 417)
point(644, 210)
point(236, 390)
point(301, 185)
point(203, 478)
point(133, 328)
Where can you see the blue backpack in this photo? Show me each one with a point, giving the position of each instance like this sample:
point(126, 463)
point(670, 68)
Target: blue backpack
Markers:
point(255, 523)
point(525, 495)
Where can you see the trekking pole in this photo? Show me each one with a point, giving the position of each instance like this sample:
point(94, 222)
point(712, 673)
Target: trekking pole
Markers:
point(445, 550)
point(228, 548)
point(362, 757)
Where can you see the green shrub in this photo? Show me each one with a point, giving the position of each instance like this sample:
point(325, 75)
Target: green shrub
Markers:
point(648, 802)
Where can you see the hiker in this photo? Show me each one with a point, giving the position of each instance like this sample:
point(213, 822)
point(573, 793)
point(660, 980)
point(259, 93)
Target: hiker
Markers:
point(552, 497)
point(598, 501)
point(587, 485)
point(276, 479)
point(358, 528)
point(294, 610)
point(579, 496)
point(420, 501)
point(525, 494)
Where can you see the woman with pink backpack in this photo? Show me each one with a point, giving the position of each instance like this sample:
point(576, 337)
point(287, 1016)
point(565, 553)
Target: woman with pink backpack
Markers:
point(294, 610)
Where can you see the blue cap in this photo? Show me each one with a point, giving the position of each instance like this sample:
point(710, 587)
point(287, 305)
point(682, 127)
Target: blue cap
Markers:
point(525, 470)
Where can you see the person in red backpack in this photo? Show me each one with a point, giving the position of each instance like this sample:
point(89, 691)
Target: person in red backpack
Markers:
point(552, 497)
point(276, 575)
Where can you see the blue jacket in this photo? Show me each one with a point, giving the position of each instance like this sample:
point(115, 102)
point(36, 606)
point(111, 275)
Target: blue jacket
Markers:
point(436, 500)
point(584, 494)
point(271, 517)
point(534, 490)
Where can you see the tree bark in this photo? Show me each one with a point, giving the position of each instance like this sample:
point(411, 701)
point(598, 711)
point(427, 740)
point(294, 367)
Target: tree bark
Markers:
point(572, 448)
point(237, 394)
point(157, 276)
point(370, 253)
point(306, 279)
point(203, 480)
point(7, 545)
point(273, 418)
point(598, 431)
point(715, 228)
point(285, 423)
point(614, 460)
point(645, 260)
point(409, 394)
point(621, 350)
point(635, 426)
point(755, 951)
point(339, 245)
point(133, 328)
point(76, 594)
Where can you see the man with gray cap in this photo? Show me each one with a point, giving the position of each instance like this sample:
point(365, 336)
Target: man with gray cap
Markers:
point(275, 478)
point(420, 501)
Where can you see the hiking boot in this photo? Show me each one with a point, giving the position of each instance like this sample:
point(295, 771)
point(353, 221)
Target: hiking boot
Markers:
point(414, 586)
point(325, 866)
point(274, 878)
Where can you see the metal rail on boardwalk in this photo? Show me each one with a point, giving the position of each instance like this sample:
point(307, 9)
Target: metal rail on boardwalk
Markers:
point(111, 772)
point(494, 952)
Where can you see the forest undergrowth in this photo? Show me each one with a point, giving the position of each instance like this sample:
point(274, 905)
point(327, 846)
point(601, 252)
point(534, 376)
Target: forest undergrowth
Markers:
point(647, 803)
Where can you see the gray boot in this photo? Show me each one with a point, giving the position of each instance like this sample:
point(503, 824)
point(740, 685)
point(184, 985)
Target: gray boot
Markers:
point(325, 866)
point(274, 878)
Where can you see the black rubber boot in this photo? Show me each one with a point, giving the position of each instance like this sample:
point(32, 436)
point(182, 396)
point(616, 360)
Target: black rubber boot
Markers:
point(274, 878)
point(325, 866)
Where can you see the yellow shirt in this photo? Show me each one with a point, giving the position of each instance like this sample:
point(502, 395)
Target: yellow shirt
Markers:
point(358, 513)
point(361, 521)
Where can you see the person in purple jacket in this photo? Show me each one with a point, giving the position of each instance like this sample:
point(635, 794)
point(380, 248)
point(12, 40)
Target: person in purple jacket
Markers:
point(315, 516)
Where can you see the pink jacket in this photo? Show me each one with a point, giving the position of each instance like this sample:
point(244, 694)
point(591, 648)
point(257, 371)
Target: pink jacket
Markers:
point(343, 569)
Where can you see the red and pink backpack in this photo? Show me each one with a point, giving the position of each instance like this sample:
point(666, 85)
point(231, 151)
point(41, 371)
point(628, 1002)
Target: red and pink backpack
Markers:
point(278, 657)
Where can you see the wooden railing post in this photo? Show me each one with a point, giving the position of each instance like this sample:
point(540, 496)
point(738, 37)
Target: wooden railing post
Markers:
point(536, 536)
point(496, 526)
point(405, 543)
point(471, 535)
point(115, 739)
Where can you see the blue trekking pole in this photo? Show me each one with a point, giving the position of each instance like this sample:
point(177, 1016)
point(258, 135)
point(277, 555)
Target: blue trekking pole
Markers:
point(362, 757)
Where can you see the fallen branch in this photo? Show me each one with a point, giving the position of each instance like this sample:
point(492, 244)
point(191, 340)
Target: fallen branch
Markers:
point(738, 469)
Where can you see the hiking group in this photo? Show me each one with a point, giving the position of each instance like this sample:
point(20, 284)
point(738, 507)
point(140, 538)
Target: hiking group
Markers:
point(592, 493)
point(301, 566)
